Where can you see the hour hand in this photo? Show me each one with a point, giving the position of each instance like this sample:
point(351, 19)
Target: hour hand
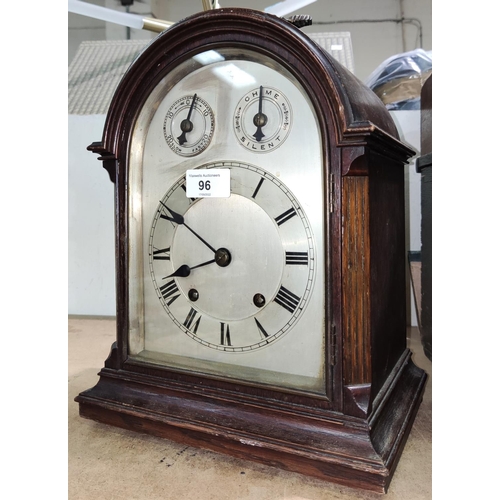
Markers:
point(184, 271)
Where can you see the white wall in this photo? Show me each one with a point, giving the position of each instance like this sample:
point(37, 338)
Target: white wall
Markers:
point(91, 257)
point(82, 28)
point(373, 42)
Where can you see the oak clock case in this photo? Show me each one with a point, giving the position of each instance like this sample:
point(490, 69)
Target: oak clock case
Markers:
point(259, 188)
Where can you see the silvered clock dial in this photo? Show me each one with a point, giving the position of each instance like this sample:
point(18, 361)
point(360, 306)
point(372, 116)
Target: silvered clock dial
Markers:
point(232, 284)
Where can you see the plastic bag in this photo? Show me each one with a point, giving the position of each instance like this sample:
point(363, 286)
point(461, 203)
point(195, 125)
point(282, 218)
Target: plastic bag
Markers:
point(398, 80)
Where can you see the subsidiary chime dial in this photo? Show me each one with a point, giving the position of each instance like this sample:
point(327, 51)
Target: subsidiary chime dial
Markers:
point(189, 125)
point(262, 119)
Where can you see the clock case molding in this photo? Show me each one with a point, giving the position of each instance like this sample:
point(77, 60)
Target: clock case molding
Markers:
point(355, 434)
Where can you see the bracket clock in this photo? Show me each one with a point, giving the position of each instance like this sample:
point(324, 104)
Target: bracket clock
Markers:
point(260, 254)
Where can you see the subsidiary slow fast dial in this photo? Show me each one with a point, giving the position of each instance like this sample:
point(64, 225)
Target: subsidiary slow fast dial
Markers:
point(189, 125)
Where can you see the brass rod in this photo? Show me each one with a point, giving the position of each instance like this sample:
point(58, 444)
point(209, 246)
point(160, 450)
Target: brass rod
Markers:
point(156, 25)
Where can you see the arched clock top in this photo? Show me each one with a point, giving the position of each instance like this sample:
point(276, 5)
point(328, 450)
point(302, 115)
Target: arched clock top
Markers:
point(350, 114)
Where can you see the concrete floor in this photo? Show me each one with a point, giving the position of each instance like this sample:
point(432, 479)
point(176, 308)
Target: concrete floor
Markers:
point(110, 463)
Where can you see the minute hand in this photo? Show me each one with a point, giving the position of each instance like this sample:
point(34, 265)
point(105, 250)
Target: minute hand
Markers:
point(179, 219)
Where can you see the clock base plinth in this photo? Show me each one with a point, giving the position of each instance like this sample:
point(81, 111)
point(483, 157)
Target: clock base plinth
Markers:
point(359, 453)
